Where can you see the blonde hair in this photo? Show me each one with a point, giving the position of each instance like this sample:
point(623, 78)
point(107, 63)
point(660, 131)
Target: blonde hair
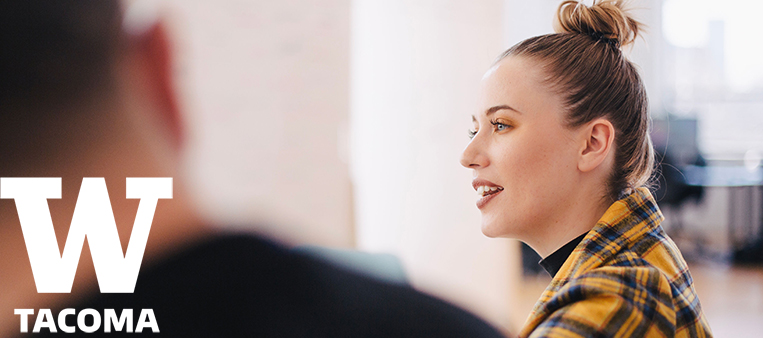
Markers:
point(607, 17)
point(584, 63)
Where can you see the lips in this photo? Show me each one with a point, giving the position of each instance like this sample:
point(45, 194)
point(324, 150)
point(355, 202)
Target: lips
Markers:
point(486, 191)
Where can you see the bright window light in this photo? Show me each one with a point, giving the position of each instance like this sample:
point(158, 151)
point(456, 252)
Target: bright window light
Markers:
point(686, 24)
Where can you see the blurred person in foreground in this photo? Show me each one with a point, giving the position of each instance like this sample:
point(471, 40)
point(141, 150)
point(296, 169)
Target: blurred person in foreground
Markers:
point(561, 155)
point(82, 96)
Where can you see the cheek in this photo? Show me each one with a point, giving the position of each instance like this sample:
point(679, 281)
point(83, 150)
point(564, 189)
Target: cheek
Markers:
point(537, 171)
point(536, 159)
point(540, 173)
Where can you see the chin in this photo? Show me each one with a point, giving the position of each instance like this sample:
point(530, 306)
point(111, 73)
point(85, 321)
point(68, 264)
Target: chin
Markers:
point(492, 230)
point(501, 227)
point(488, 233)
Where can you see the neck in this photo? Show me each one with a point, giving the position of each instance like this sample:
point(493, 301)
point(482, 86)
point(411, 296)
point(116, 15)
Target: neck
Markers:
point(579, 216)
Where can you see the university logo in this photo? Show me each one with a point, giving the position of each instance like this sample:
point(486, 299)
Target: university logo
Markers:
point(93, 218)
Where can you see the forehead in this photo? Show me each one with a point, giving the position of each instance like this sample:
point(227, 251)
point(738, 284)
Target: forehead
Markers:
point(520, 83)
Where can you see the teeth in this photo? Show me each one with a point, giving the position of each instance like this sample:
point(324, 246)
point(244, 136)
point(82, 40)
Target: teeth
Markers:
point(485, 190)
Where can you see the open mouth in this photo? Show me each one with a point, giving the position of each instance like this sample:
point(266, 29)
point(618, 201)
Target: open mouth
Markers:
point(485, 190)
point(486, 194)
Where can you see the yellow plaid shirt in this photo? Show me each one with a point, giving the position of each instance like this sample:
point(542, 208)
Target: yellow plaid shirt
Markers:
point(626, 278)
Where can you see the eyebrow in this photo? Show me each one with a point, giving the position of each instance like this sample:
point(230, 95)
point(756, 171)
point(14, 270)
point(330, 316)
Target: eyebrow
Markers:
point(494, 109)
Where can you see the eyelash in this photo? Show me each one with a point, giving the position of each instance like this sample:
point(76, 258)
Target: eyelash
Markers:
point(495, 124)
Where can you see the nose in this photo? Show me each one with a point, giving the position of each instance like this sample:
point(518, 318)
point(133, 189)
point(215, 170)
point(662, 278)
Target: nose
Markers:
point(473, 156)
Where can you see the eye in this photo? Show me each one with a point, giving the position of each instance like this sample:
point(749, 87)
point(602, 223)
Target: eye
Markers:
point(499, 126)
point(472, 133)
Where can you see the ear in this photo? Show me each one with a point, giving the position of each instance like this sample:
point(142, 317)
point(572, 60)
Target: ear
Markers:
point(599, 136)
point(155, 64)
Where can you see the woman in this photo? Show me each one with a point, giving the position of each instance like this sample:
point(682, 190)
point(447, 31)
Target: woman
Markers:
point(561, 153)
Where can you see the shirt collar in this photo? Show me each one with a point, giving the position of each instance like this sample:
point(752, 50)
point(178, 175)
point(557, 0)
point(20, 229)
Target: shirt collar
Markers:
point(625, 222)
point(553, 262)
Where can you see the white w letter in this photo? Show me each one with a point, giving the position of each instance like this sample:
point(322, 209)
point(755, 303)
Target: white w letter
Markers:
point(93, 217)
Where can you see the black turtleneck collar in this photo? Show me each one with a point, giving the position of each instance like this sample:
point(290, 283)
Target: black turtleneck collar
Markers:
point(554, 261)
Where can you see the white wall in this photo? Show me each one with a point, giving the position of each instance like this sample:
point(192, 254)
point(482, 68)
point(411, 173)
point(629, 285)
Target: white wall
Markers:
point(647, 52)
point(524, 19)
point(266, 87)
point(416, 65)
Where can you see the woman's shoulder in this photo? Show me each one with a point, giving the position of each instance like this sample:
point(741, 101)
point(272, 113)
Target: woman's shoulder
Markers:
point(606, 298)
point(652, 267)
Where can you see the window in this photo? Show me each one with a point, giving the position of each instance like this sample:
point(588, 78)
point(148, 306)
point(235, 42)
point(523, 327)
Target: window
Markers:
point(712, 66)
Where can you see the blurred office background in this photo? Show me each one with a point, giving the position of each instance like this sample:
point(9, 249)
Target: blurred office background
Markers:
point(339, 124)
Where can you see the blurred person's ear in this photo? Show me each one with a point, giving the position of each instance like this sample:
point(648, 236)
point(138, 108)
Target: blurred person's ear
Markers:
point(597, 146)
point(152, 65)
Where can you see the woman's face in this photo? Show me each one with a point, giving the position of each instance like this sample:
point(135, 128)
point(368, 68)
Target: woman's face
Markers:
point(523, 155)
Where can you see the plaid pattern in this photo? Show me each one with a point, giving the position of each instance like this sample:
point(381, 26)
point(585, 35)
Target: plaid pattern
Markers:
point(625, 279)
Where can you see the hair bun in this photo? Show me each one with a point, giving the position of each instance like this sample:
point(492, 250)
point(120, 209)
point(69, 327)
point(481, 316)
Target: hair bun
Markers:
point(605, 20)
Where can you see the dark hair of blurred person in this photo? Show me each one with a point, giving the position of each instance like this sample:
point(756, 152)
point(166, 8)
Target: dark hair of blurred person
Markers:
point(81, 96)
